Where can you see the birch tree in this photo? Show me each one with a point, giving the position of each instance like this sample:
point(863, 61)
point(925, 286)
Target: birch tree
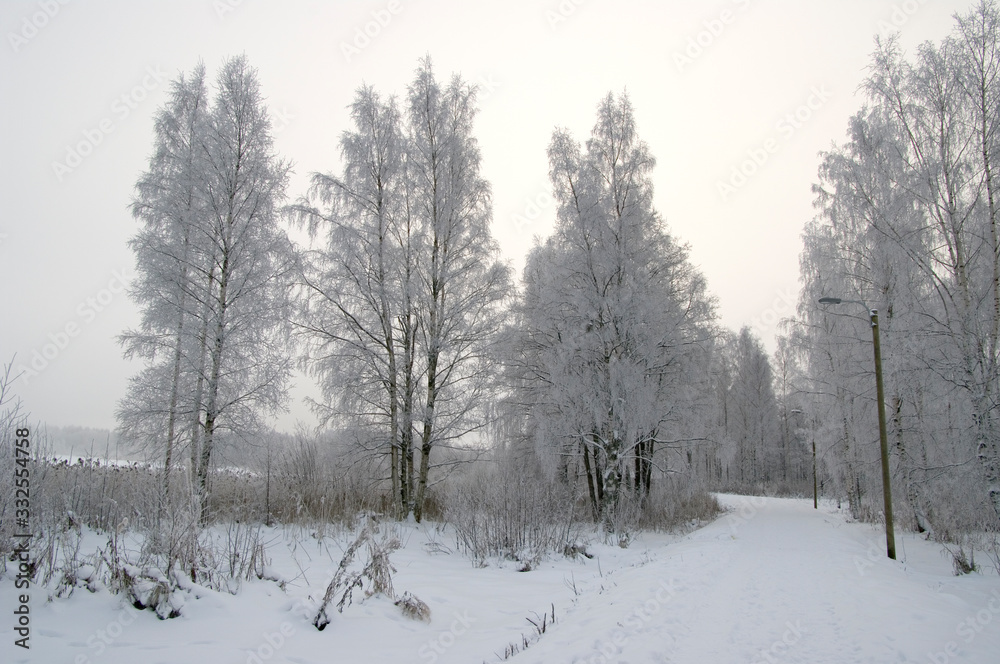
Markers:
point(979, 77)
point(215, 271)
point(169, 205)
point(946, 118)
point(462, 281)
point(908, 224)
point(360, 314)
point(252, 266)
point(409, 294)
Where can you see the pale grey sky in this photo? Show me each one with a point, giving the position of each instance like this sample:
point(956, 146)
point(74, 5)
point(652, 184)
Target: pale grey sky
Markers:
point(714, 84)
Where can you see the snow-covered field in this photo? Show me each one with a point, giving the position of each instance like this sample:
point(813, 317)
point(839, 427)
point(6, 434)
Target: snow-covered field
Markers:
point(771, 581)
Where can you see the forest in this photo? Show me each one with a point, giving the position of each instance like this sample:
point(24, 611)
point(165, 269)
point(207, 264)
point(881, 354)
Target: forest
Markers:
point(595, 392)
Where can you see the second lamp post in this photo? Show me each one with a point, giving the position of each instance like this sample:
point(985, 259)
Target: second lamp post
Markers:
point(890, 539)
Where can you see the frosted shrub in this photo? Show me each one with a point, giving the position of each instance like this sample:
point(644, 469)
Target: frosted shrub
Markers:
point(414, 608)
point(506, 510)
point(244, 552)
point(377, 571)
point(677, 502)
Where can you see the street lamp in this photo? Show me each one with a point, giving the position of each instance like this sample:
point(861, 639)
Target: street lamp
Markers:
point(815, 486)
point(890, 540)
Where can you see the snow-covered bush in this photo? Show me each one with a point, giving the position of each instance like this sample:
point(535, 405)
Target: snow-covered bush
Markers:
point(150, 589)
point(155, 568)
point(140, 583)
point(508, 509)
point(675, 502)
point(413, 607)
point(377, 571)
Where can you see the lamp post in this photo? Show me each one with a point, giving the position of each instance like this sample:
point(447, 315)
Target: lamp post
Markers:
point(815, 485)
point(890, 539)
point(815, 492)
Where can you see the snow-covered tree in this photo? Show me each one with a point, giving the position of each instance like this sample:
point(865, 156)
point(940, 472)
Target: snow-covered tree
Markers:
point(169, 206)
point(908, 225)
point(359, 314)
point(614, 316)
point(462, 281)
point(215, 270)
point(754, 415)
point(249, 278)
point(408, 294)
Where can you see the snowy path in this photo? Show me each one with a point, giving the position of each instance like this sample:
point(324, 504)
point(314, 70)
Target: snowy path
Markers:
point(772, 581)
point(777, 581)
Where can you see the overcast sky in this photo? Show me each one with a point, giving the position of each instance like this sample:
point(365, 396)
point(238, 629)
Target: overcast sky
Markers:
point(714, 84)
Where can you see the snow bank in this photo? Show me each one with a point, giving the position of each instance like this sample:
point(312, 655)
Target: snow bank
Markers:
point(771, 581)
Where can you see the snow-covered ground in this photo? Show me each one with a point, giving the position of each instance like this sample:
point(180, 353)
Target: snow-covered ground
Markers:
point(771, 581)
